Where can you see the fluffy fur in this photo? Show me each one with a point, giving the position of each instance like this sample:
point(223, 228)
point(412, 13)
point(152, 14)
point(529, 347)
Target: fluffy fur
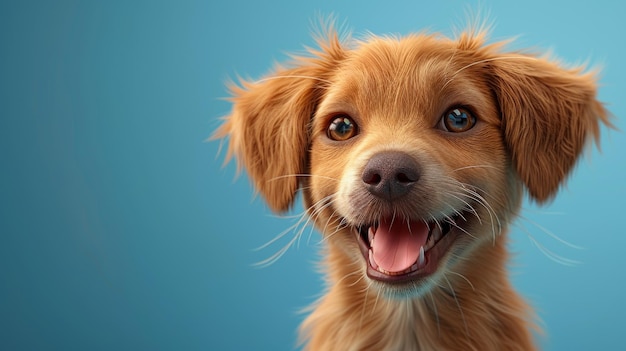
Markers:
point(533, 117)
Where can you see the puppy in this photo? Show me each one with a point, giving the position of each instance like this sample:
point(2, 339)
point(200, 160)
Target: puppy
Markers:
point(413, 155)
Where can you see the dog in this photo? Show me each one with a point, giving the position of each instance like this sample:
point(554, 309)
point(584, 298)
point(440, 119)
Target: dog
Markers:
point(413, 155)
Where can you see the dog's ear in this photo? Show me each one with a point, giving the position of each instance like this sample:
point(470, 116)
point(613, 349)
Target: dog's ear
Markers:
point(269, 122)
point(548, 113)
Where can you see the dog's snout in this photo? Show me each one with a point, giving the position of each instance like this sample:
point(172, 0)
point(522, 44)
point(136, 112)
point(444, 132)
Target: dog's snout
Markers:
point(391, 174)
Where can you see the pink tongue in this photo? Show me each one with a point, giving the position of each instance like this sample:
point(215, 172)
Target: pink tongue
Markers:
point(396, 245)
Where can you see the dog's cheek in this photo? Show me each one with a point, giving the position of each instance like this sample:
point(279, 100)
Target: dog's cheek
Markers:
point(480, 161)
point(327, 167)
point(495, 174)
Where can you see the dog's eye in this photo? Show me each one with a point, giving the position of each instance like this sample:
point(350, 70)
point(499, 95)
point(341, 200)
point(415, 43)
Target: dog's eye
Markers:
point(458, 120)
point(342, 128)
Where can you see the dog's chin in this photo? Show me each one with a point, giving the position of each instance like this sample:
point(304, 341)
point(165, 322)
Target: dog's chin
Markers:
point(413, 278)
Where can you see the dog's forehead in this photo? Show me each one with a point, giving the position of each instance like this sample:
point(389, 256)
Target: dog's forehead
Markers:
point(415, 73)
point(395, 52)
point(382, 63)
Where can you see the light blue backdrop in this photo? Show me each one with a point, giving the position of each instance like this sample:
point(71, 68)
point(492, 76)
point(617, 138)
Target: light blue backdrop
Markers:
point(120, 231)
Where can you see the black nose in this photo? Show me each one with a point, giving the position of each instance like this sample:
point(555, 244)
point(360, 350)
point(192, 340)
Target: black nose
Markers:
point(390, 174)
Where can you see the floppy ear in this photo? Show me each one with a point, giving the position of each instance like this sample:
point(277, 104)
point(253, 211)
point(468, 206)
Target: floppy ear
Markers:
point(548, 113)
point(268, 125)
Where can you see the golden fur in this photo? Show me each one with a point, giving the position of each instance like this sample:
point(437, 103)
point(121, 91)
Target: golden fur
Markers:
point(533, 119)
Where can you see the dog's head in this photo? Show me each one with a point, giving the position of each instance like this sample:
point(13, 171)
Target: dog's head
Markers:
point(412, 152)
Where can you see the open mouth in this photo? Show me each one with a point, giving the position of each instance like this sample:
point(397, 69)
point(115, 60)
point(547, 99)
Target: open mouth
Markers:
point(401, 250)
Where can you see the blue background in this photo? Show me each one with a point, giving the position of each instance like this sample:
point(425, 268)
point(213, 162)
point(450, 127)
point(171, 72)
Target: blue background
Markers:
point(120, 230)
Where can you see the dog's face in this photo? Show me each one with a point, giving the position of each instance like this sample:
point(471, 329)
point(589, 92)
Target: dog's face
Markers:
point(408, 163)
point(412, 153)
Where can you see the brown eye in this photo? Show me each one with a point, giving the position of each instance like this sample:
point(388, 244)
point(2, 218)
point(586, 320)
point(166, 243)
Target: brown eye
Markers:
point(458, 120)
point(342, 128)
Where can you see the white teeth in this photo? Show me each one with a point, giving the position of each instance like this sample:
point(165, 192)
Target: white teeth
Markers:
point(433, 237)
point(430, 243)
point(371, 259)
point(370, 235)
point(421, 260)
point(437, 233)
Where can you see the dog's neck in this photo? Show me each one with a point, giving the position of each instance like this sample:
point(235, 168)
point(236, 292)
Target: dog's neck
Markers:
point(472, 310)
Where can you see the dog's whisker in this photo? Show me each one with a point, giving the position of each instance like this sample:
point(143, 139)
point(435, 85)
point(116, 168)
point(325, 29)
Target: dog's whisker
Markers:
point(332, 217)
point(479, 195)
point(350, 274)
point(301, 175)
point(376, 301)
point(551, 234)
point(280, 235)
point(314, 215)
point(461, 186)
point(474, 195)
point(455, 211)
point(436, 313)
point(364, 291)
point(367, 288)
point(304, 218)
point(393, 218)
point(459, 213)
point(297, 234)
point(492, 216)
point(311, 229)
point(328, 236)
point(433, 219)
point(461, 191)
point(308, 216)
point(300, 232)
point(341, 225)
point(451, 221)
point(276, 256)
point(547, 252)
point(458, 304)
point(468, 207)
point(474, 166)
point(542, 212)
point(463, 277)
point(361, 277)
point(343, 222)
point(408, 224)
point(325, 230)
point(552, 255)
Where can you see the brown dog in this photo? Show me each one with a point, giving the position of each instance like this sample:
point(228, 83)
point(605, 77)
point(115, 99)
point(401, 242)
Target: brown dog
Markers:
point(413, 155)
